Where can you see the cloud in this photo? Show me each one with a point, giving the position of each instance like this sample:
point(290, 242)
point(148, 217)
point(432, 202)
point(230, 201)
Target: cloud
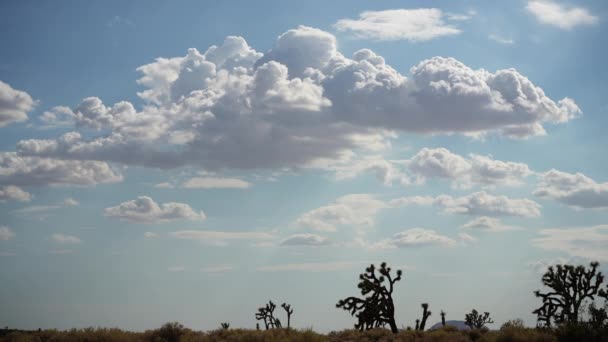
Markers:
point(352, 210)
point(14, 104)
point(14, 193)
point(65, 239)
point(219, 237)
point(576, 190)
point(176, 268)
point(554, 14)
point(60, 251)
point(68, 202)
point(305, 240)
point(150, 234)
point(399, 24)
point(232, 107)
point(6, 233)
point(145, 210)
point(217, 269)
point(415, 237)
point(350, 166)
point(35, 171)
point(476, 204)
point(464, 172)
point(488, 224)
point(501, 40)
point(215, 183)
point(584, 242)
point(164, 185)
point(311, 267)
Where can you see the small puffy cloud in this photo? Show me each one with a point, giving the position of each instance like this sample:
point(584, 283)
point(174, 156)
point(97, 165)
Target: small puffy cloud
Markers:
point(219, 237)
point(354, 210)
point(311, 267)
point(215, 183)
point(558, 15)
point(415, 237)
point(6, 233)
point(583, 242)
point(576, 190)
point(14, 193)
point(488, 224)
point(464, 172)
point(145, 210)
point(150, 235)
point(419, 24)
point(65, 239)
point(35, 171)
point(14, 104)
point(305, 240)
point(501, 40)
point(476, 204)
point(70, 202)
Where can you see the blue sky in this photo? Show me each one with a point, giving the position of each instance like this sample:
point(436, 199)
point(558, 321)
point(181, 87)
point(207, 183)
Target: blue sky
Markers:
point(188, 161)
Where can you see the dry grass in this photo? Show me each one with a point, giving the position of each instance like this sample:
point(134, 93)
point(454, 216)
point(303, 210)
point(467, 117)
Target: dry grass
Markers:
point(175, 332)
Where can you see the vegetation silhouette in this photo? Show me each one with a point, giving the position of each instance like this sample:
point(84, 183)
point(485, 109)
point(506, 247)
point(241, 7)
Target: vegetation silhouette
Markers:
point(225, 326)
point(378, 309)
point(477, 321)
point(442, 318)
point(426, 313)
point(289, 311)
point(570, 287)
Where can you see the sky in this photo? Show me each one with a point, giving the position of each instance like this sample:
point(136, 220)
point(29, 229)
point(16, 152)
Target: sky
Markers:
point(190, 160)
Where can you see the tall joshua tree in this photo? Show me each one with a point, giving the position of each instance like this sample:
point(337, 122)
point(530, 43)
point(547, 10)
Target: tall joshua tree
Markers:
point(570, 287)
point(476, 321)
point(377, 309)
point(426, 313)
point(442, 318)
point(289, 311)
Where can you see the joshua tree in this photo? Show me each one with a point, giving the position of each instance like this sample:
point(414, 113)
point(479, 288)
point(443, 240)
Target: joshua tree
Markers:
point(265, 313)
point(476, 321)
point(425, 314)
point(289, 311)
point(570, 287)
point(442, 318)
point(225, 326)
point(417, 324)
point(257, 326)
point(377, 309)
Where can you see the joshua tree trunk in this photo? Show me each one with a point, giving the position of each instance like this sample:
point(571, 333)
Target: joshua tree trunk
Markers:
point(393, 326)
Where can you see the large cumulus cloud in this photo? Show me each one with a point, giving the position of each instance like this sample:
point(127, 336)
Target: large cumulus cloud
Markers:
point(234, 107)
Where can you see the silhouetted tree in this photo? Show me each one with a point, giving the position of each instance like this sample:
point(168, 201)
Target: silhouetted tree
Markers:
point(426, 313)
point(289, 311)
point(377, 309)
point(225, 326)
point(570, 287)
point(476, 321)
point(265, 313)
point(442, 318)
point(417, 324)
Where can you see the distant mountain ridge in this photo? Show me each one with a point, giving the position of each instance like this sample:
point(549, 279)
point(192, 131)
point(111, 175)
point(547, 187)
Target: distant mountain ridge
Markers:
point(458, 324)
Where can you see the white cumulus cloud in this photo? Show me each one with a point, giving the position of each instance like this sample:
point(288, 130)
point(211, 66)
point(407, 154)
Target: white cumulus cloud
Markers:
point(14, 104)
point(418, 24)
point(559, 15)
point(143, 209)
point(576, 190)
point(215, 183)
point(65, 239)
point(6, 233)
